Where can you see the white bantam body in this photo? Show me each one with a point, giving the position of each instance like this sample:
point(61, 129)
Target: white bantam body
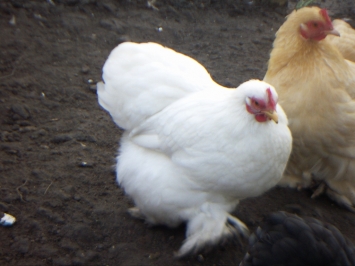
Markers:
point(190, 150)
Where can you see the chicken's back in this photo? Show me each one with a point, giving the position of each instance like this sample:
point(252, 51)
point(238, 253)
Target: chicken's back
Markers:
point(142, 79)
point(346, 42)
point(287, 239)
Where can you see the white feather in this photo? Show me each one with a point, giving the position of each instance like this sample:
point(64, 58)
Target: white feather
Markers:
point(142, 79)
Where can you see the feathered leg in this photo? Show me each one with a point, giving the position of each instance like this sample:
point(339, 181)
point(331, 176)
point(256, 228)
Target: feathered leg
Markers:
point(210, 226)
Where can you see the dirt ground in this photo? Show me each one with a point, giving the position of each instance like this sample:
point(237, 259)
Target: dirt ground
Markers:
point(57, 146)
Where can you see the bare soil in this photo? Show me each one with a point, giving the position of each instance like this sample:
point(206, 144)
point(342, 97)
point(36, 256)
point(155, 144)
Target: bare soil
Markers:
point(57, 146)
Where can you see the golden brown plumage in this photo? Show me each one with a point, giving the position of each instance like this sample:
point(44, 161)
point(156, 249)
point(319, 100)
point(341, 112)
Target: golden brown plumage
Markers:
point(316, 87)
point(346, 42)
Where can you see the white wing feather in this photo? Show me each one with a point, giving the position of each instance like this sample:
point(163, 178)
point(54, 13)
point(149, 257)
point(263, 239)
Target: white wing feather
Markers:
point(142, 79)
point(187, 132)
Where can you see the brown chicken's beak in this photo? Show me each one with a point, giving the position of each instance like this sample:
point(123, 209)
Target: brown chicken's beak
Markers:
point(333, 32)
point(272, 115)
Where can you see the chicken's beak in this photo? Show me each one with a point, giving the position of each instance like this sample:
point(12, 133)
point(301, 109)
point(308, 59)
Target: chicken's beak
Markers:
point(272, 115)
point(333, 32)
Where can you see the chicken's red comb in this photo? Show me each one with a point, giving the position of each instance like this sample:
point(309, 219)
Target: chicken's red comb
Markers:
point(325, 15)
point(271, 103)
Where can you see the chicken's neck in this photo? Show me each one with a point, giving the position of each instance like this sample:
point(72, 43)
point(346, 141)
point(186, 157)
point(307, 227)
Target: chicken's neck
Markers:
point(304, 55)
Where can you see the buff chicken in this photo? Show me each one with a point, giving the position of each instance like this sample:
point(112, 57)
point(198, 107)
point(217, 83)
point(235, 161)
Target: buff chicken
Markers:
point(316, 86)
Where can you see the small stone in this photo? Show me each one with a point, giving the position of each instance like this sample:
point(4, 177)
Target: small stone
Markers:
point(20, 110)
point(3, 207)
point(46, 251)
point(68, 245)
point(85, 69)
point(84, 137)
point(69, 189)
point(62, 195)
point(154, 256)
point(27, 129)
point(294, 208)
point(23, 123)
point(15, 127)
point(11, 197)
point(61, 138)
point(110, 7)
point(200, 258)
point(50, 215)
point(123, 38)
point(84, 234)
point(77, 197)
point(85, 164)
point(53, 202)
point(40, 175)
point(39, 133)
point(12, 21)
point(113, 252)
point(93, 88)
point(21, 245)
point(16, 117)
point(100, 247)
point(63, 261)
point(5, 147)
point(90, 255)
point(112, 24)
point(39, 17)
point(78, 261)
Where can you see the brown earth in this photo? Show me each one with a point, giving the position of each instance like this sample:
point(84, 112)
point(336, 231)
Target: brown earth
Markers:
point(57, 146)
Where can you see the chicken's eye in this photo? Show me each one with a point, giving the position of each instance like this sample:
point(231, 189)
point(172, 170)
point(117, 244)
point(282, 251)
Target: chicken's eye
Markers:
point(315, 24)
point(256, 103)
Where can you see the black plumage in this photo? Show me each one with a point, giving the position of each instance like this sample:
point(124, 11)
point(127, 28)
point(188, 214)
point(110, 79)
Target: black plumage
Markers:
point(287, 239)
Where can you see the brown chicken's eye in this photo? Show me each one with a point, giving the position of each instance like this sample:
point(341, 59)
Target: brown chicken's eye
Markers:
point(315, 24)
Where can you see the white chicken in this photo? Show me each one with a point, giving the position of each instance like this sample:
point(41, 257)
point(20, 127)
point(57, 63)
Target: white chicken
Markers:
point(191, 148)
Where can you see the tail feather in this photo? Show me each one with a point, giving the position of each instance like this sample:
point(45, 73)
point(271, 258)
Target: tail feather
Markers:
point(103, 100)
point(142, 79)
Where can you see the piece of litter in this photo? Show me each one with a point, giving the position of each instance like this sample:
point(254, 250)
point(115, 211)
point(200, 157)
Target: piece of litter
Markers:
point(150, 4)
point(39, 17)
point(160, 29)
point(7, 220)
point(12, 20)
point(200, 258)
point(154, 256)
point(86, 164)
